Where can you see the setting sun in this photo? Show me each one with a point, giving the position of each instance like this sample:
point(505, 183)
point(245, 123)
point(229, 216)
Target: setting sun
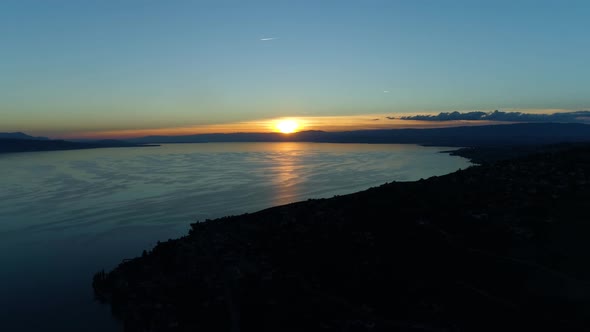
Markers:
point(287, 126)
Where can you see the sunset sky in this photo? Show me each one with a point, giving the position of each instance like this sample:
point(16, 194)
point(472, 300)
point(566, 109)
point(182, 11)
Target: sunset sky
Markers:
point(104, 68)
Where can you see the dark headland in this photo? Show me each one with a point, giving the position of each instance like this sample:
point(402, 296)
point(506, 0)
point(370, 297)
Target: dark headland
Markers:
point(498, 247)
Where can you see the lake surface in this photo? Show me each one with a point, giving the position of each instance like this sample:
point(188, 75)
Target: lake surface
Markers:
point(65, 215)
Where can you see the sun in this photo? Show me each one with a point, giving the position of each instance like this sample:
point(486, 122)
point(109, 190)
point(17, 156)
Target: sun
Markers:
point(287, 126)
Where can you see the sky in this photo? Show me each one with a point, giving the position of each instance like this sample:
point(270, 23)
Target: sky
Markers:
point(106, 68)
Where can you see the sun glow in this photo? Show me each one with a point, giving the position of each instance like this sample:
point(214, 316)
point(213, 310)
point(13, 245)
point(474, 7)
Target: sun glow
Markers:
point(287, 126)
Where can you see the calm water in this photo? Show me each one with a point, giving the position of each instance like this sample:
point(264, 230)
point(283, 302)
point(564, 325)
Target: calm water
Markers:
point(65, 215)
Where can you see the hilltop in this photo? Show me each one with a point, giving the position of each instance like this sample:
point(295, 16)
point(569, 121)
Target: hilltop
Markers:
point(498, 247)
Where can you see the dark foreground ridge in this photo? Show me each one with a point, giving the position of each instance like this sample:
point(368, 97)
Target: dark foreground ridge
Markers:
point(498, 247)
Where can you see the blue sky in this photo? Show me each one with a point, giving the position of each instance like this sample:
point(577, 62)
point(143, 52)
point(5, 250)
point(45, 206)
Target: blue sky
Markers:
point(92, 66)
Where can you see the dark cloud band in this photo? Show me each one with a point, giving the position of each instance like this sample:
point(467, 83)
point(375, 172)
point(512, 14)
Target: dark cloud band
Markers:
point(578, 116)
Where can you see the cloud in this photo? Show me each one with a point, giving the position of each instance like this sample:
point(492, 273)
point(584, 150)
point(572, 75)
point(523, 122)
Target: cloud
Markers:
point(268, 38)
point(578, 116)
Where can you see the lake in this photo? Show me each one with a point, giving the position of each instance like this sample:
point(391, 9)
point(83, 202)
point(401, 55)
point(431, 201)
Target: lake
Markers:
point(65, 215)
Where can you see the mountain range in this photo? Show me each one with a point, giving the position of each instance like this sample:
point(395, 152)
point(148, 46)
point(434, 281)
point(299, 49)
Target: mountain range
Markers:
point(26, 143)
point(488, 135)
point(520, 134)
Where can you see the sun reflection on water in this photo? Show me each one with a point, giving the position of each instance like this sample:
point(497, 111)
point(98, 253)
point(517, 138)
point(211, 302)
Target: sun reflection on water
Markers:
point(287, 172)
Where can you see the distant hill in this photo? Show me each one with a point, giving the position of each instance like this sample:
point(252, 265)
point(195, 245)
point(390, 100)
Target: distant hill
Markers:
point(19, 135)
point(490, 135)
point(8, 145)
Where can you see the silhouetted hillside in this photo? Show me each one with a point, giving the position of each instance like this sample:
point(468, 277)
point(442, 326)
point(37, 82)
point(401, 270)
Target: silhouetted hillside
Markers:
point(493, 135)
point(498, 247)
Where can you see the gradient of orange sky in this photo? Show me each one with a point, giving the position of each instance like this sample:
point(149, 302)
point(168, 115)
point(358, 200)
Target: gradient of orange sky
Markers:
point(324, 123)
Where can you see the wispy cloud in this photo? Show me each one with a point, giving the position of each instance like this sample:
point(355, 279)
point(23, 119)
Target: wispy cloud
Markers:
point(268, 38)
